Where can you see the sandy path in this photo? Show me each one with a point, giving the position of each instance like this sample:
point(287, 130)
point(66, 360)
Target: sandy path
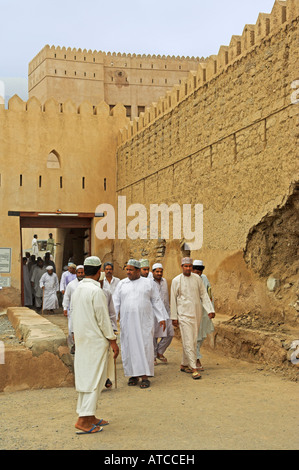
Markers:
point(236, 405)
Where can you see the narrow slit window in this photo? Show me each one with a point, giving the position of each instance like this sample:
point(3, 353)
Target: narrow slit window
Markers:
point(105, 184)
point(60, 181)
point(83, 182)
point(21, 180)
point(40, 181)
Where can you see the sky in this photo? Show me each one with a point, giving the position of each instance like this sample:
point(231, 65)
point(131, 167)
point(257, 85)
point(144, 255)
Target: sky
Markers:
point(166, 27)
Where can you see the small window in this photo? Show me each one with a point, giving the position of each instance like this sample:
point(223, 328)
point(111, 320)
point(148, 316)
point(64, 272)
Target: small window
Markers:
point(21, 180)
point(105, 184)
point(60, 181)
point(83, 182)
point(140, 80)
point(165, 80)
point(40, 181)
point(53, 160)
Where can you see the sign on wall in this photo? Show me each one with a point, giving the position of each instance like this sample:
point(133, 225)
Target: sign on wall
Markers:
point(5, 260)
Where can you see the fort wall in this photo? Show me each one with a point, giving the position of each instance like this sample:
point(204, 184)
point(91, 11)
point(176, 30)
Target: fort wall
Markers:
point(226, 138)
point(53, 157)
point(134, 80)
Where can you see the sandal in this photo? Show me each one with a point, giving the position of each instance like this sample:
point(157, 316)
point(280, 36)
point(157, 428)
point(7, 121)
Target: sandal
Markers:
point(133, 381)
point(162, 358)
point(186, 369)
point(108, 383)
point(196, 375)
point(145, 383)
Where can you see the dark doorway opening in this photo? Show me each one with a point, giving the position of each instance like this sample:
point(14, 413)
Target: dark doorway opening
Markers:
point(72, 237)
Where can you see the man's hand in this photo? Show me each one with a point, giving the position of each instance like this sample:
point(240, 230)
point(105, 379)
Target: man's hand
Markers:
point(163, 323)
point(211, 315)
point(115, 348)
point(175, 322)
point(65, 313)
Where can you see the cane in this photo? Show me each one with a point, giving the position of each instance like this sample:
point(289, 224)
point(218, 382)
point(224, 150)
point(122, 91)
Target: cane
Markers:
point(43, 301)
point(115, 373)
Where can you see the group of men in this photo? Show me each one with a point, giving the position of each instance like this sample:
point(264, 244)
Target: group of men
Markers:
point(94, 301)
point(146, 318)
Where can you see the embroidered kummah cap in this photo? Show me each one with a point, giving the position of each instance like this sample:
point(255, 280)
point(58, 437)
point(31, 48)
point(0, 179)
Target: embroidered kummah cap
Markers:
point(92, 261)
point(72, 265)
point(157, 266)
point(49, 268)
point(80, 266)
point(186, 261)
point(144, 263)
point(134, 262)
point(198, 262)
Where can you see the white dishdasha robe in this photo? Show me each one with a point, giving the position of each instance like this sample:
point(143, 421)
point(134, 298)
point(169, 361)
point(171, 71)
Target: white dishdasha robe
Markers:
point(138, 302)
point(92, 332)
point(188, 296)
point(51, 287)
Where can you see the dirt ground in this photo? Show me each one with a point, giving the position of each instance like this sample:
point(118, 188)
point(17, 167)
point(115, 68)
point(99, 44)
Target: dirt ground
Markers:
point(235, 405)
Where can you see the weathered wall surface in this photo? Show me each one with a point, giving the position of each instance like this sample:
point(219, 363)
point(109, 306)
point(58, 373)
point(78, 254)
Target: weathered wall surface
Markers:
point(227, 138)
point(84, 140)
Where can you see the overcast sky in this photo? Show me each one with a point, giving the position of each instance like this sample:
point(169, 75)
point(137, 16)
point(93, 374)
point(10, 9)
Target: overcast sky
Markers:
point(170, 27)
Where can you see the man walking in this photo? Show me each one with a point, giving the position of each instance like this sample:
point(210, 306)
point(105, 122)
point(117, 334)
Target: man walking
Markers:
point(137, 300)
point(167, 335)
point(37, 273)
point(93, 336)
point(67, 303)
point(187, 295)
point(50, 286)
point(110, 282)
point(206, 325)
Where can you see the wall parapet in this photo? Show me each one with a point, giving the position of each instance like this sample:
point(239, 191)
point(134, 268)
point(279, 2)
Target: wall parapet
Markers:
point(33, 105)
point(283, 13)
point(89, 56)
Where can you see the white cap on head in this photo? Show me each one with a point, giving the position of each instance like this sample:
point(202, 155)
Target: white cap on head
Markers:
point(198, 262)
point(92, 261)
point(157, 266)
point(49, 268)
point(80, 266)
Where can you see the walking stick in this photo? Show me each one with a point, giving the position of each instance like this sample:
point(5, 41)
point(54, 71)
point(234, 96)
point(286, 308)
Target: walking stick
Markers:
point(43, 301)
point(115, 377)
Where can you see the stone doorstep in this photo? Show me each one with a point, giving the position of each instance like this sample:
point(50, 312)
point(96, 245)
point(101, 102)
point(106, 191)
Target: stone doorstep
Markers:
point(37, 333)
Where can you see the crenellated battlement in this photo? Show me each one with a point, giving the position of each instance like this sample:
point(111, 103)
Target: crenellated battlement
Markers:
point(51, 106)
point(89, 56)
point(267, 25)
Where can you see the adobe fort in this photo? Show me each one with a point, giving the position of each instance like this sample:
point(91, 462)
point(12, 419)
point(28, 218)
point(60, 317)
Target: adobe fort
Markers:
point(221, 132)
